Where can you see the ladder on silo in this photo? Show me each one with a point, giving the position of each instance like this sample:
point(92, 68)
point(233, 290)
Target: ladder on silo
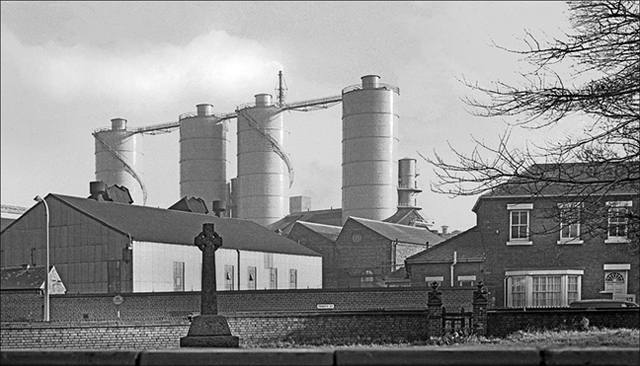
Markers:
point(277, 147)
point(128, 168)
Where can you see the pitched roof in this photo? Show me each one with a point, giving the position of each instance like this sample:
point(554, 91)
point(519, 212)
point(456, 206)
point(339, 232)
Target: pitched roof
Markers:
point(405, 216)
point(326, 217)
point(403, 233)
point(21, 278)
point(468, 244)
point(177, 227)
point(328, 231)
point(193, 204)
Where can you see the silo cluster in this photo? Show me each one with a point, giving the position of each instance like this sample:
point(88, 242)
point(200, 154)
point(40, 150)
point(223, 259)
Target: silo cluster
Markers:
point(260, 192)
point(203, 156)
point(119, 158)
point(369, 150)
point(262, 187)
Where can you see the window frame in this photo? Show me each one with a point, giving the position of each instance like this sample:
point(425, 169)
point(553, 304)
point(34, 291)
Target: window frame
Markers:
point(293, 278)
point(229, 277)
point(613, 206)
point(575, 212)
point(570, 288)
point(178, 274)
point(520, 208)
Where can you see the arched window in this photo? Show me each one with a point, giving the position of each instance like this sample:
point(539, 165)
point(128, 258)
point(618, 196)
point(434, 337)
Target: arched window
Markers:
point(366, 278)
point(615, 282)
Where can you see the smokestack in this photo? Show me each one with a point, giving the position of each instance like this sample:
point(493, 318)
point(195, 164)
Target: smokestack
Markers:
point(97, 189)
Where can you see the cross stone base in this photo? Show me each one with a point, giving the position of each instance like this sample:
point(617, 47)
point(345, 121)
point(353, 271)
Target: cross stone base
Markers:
point(209, 331)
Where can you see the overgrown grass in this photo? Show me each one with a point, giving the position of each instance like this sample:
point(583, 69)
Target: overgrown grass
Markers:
point(539, 339)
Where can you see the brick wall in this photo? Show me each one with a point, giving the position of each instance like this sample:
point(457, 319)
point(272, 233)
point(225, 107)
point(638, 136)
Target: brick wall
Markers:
point(178, 305)
point(21, 306)
point(397, 325)
point(506, 321)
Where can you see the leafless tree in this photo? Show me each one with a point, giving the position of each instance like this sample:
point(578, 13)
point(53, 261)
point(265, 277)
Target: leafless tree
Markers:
point(603, 87)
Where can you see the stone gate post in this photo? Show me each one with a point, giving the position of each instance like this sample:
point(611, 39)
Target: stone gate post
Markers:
point(479, 303)
point(434, 311)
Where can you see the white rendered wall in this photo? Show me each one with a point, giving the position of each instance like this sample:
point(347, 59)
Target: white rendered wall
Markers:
point(153, 268)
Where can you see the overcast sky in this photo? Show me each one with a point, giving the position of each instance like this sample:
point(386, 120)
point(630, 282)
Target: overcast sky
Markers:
point(68, 68)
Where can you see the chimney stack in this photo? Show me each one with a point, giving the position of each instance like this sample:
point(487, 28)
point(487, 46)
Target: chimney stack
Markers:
point(444, 229)
point(219, 207)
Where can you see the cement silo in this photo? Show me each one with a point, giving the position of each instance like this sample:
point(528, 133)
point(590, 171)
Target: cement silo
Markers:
point(407, 184)
point(119, 159)
point(369, 149)
point(203, 156)
point(264, 169)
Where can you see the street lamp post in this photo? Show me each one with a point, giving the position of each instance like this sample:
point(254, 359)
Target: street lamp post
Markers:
point(46, 270)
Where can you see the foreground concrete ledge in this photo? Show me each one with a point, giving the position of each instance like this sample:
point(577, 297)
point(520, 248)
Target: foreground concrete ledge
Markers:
point(511, 356)
point(68, 357)
point(592, 356)
point(217, 356)
point(427, 355)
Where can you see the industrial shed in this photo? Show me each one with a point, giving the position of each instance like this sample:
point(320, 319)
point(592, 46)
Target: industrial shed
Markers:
point(111, 247)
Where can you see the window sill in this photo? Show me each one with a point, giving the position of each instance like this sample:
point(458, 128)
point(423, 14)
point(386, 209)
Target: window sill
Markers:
point(570, 242)
point(522, 242)
point(617, 241)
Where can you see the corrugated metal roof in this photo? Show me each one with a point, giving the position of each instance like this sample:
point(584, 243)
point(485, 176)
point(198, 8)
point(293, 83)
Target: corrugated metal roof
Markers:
point(20, 278)
point(177, 227)
point(326, 217)
point(403, 233)
point(328, 231)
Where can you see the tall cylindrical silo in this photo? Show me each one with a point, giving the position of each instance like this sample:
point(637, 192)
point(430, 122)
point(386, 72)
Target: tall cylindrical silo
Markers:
point(203, 156)
point(369, 150)
point(407, 184)
point(262, 192)
point(119, 159)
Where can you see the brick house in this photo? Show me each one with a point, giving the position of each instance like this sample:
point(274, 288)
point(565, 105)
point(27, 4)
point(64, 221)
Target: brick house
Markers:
point(102, 246)
point(549, 244)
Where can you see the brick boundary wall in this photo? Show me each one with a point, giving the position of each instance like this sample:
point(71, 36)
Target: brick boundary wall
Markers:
point(178, 305)
point(502, 322)
point(374, 325)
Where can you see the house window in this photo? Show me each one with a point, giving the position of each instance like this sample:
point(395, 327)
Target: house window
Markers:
point(554, 288)
point(615, 279)
point(251, 278)
point(431, 279)
point(293, 278)
point(229, 271)
point(519, 224)
point(466, 280)
point(178, 276)
point(569, 223)
point(273, 278)
point(618, 220)
point(114, 284)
